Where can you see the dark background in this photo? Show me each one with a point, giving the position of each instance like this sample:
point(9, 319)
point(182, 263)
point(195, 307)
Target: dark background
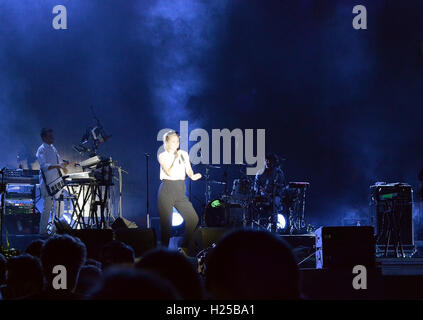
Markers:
point(343, 106)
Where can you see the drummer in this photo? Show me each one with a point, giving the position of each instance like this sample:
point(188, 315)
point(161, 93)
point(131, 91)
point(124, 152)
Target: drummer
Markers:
point(270, 183)
point(272, 175)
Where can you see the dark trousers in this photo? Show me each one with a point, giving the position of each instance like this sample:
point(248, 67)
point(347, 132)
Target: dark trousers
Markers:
point(172, 194)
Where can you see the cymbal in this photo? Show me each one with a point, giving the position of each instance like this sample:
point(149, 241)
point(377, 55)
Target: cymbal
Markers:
point(207, 165)
point(216, 182)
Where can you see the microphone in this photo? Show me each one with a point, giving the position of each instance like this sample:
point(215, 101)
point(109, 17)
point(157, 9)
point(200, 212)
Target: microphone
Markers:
point(177, 152)
point(176, 155)
point(183, 159)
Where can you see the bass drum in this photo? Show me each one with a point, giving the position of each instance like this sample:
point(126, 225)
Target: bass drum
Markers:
point(219, 213)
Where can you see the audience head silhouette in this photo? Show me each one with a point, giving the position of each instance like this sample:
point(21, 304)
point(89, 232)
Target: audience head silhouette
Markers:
point(34, 249)
point(245, 264)
point(93, 262)
point(175, 268)
point(120, 283)
point(3, 268)
point(89, 277)
point(63, 250)
point(117, 253)
point(249, 264)
point(24, 277)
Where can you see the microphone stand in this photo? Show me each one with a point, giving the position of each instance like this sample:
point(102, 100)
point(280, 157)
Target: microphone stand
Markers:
point(147, 155)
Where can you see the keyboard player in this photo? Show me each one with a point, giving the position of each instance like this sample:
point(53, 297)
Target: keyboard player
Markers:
point(49, 159)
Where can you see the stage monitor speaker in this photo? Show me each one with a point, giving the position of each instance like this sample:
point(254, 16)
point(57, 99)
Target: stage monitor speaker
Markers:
point(391, 213)
point(141, 240)
point(94, 240)
point(122, 223)
point(303, 247)
point(345, 247)
point(204, 238)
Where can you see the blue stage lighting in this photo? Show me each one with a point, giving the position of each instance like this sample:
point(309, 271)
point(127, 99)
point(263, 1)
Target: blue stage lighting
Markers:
point(281, 221)
point(177, 219)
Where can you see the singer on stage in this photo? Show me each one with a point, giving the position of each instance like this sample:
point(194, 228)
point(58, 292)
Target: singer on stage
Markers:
point(174, 165)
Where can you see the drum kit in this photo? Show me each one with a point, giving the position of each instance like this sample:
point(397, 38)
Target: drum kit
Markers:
point(282, 211)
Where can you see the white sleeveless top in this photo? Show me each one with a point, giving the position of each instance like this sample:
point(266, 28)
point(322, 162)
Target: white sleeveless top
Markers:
point(179, 167)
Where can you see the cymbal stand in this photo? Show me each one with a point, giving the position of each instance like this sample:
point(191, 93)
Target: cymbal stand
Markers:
point(297, 212)
point(302, 221)
point(208, 187)
point(257, 223)
point(225, 179)
point(274, 216)
point(255, 213)
point(391, 227)
point(147, 155)
point(247, 216)
point(207, 195)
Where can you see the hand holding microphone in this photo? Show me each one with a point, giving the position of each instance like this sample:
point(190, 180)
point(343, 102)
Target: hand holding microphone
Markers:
point(178, 155)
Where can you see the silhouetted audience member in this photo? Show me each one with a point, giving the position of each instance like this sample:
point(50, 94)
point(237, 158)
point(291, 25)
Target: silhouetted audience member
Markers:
point(34, 249)
point(66, 251)
point(120, 283)
point(175, 268)
point(117, 253)
point(24, 277)
point(93, 262)
point(247, 264)
point(3, 263)
point(89, 277)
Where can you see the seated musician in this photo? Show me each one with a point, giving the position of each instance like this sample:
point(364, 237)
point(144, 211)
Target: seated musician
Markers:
point(269, 184)
point(271, 174)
